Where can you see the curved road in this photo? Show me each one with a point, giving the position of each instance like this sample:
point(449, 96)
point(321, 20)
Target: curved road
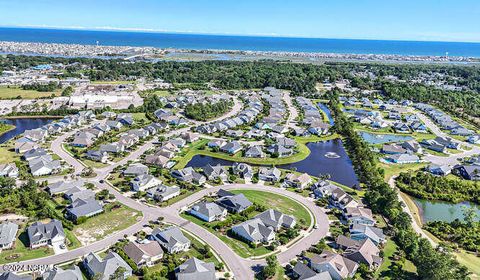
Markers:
point(241, 267)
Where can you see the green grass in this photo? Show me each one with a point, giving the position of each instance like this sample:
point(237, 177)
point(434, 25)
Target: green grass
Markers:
point(72, 242)
point(97, 227)
point(22, 252)
point(240, 247)
point(303, 152)
point(7, 155)
point(389, 250)
point(395, 169)
point(281, 203)
point(269, 200)
point(14, 92)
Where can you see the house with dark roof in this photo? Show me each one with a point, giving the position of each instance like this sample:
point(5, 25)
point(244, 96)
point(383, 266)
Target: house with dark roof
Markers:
point(215, 172)
point(254, 230)
point(467, 172)
point(189, 175)
point(231, 147)
point(57, 273)
point(106, 267)
point(254, 152)
point(276, 220)
point(84, 208)
point(243, 170)
point(195, 269)
point(51, 233)
point(302, 272)
point(234, 203)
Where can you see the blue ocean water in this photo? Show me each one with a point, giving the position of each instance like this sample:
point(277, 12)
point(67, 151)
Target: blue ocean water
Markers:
point(197, 41)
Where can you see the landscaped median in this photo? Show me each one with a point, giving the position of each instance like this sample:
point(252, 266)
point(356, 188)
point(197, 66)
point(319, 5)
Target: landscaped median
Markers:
point(260, 199)
point(199, 148)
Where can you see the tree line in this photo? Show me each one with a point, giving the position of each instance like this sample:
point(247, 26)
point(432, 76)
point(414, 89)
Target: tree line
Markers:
point(207, 111)
point(431, 263)
point(427, 186)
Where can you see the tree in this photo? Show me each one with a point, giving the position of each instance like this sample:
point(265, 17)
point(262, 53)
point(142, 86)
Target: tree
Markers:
point(119, 273)
point(470, 215)
point(270, 269)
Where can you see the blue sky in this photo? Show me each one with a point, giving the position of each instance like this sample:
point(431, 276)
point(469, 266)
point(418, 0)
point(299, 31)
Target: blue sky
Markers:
point(438, 20)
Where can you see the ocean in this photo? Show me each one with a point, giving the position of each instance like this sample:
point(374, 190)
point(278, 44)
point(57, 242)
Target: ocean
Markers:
point(254, 43)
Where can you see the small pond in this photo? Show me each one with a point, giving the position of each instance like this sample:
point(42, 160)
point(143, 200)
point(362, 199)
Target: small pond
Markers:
point(21, 125)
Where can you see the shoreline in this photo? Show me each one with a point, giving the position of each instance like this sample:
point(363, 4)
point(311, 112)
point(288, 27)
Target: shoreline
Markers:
point(12, 127)
point(31, 117)
point(156, 53)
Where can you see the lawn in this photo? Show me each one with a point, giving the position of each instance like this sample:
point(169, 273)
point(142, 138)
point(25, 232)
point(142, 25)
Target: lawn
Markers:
point(97, 227)
point(14, 92)
point(303, 152)
point(270, 200)
point(22, 252)
point(395, 169)
point(278, 202)
point(7, 155)
point(389, 250)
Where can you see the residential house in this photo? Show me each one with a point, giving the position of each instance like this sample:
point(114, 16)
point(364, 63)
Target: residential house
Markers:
point(51, 233)
point(84, 208)
point(145, 253)
point(360, 232)
point(171, 239)
point(9, 170)
point(188, 174)
point(97, 155)
point(365, 252)
point(269, 174)
point(359, 215)
point(254, 152)
point(144, 182)
point(195, 269)
point(234, 203)
point(163, 193)
point(208, 211)
point(467, 172)
point(441, 170)
point(8, 235)
point(276, 220)
point(403, 158)
point(75, 193)
point(215, 172)
point(412, 146)
point(299, 181)
point(231, 147)
point(106, 267)
point(302, 272)
point(338, 266)
point(255, 231)
point(58, 273)
point(136, 169)
point(279, 151)
point(63, 186)
point(243, 170)
point(13, 276)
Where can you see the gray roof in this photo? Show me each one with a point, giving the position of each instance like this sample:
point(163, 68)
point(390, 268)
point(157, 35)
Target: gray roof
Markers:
point(136, 169)
point(39, 231)
point(235, 203)
point(107, 266)
point(59, 274)
point(84, 208)
point(63, 186)
point(8, 233)
point(136, 251)
point(255, 229)
point(276, 219)
point(13, 276)
point(195, 269)
point(208, 209)
point(170, 236)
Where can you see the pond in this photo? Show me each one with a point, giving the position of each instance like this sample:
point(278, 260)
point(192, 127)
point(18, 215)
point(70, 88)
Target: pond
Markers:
point(373, 138)
point(441, 211)
point(21, 125)
point(327, 112)
point(340, 168)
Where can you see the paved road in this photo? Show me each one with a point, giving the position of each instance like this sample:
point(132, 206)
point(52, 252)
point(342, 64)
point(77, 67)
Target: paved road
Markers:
point(293, 112)
point(241, 267)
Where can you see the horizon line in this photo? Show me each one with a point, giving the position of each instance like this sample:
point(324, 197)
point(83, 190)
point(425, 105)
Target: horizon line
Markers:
point(266, 35)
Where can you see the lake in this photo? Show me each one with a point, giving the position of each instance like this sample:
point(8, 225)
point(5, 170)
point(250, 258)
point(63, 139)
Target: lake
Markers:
point(373, 138)
point(441, 211)
point(21, 125)
point(340, 169)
